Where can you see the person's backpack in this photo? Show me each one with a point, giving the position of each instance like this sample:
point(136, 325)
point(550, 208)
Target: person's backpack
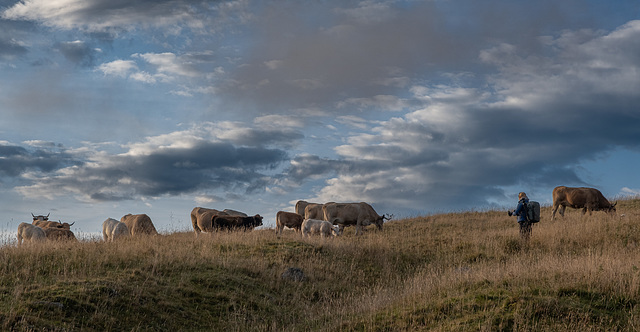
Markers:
point(532, 211)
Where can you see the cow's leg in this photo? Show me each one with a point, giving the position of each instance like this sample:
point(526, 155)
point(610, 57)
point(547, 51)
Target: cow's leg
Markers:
point(562, 208)
point(584, 211)
point(555, 209)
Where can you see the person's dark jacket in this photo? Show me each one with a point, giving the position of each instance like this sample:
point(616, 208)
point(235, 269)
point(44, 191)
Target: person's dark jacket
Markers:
point(520, 210)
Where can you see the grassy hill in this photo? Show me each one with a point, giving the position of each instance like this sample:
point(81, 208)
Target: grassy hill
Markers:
point(447, 272)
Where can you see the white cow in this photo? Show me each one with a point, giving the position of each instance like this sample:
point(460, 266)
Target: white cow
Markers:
point(315, 226)
point(30, 233)
point(113, 229)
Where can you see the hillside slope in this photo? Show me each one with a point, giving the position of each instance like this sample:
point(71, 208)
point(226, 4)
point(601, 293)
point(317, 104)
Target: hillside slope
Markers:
point(447, 272)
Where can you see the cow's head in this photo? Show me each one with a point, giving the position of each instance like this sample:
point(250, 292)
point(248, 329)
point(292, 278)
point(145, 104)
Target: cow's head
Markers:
point(336, 231)
point(380, 220)
point(64, 225)
point(45, 218)
point(612, 208)
point(258, 220)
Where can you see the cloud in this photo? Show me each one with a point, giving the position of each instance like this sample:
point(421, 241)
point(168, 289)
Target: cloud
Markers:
point(78, 52)
point(16, 160)
point(541, 115)
point(191, 161)
point(11, 48)
point(120, 68)
point(100, 15)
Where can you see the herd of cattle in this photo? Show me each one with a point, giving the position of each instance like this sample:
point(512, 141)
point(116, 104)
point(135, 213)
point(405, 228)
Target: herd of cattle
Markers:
point(328, 219)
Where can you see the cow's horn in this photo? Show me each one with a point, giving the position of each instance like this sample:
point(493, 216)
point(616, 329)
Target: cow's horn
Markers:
point(48, 214)
point(32, 215)
point(71, 224)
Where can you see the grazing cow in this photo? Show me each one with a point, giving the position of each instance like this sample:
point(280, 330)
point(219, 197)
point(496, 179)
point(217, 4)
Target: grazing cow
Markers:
point(53, 224)
point(230, 212)
point(113, 229)
point(230, 223)
point(347, 214)
point(201, 219)
point(59, 234)
point(587, 199)
point(139, 224)
point(315, 226)
point(44, 222)
point(313, 211)
point(31, 233)
point(288, 219)
point(300, 206)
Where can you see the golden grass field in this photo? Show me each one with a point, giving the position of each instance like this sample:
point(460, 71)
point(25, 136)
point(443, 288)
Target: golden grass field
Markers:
point(465, 271)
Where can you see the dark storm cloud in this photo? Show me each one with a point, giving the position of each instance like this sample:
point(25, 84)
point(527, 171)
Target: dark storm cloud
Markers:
point(16, 160)
point(325, 53)
point(308, 166)
point(78, 52)
point(170, 171)
point(568, 101)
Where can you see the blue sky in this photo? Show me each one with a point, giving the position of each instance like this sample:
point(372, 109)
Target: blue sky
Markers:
point(115, 107)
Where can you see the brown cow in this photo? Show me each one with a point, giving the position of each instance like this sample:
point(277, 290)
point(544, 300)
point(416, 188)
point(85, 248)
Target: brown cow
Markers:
point(347, 214)
point(230, 223)
point(313, 211)
point(201, 219)
point(139, 224)
point(288, 219)
point(44, 222)
point(53, 224)
point(300, 206)
point(230, 212)
point(587, 199)
point(59, 234)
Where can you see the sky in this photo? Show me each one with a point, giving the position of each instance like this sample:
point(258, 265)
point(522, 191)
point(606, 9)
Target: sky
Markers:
point(109, 107)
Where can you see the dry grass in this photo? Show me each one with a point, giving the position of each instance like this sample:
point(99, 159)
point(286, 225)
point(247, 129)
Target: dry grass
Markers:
point(447, 272)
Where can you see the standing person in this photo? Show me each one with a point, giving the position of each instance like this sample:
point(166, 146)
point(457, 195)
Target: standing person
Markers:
point(521, 213)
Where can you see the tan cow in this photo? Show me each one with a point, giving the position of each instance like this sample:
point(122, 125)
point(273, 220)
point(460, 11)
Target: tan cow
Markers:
point(113, 229)
point(287, 219)
point(347, 214)
point(313, 211)
point(53, 224)
point(300, 206)
point(31, 233)
point(230, 212)
point(139, 224)
point(44, 222)
point(587, 199)
point(321, 227)
point(59, 234)
point(201, 219)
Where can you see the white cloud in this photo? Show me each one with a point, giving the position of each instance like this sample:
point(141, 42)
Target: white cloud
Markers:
point(169, 63)
point(625, 191)
point(120, 68)
point(100, 15)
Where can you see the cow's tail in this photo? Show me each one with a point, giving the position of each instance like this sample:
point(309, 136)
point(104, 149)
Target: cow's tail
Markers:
point(279, 226)
point(194, 222)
